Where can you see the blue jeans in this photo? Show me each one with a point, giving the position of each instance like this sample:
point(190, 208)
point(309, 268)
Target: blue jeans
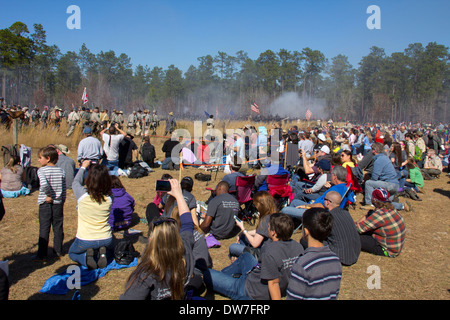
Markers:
point(230, 281)
point(77, 251)
point(292, 211)
point(371, 185)
point(112, 165)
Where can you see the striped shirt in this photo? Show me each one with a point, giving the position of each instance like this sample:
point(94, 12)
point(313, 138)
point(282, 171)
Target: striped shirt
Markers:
point(387, 227)
point(316, 275)
point(344, 239)
point(52, 183)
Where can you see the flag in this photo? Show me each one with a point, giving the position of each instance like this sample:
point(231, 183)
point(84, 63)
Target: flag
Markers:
point(255, 108)
point(207, 114)
point(308, 114)
point(217, 111)
point(231, 112)
point(84, 98)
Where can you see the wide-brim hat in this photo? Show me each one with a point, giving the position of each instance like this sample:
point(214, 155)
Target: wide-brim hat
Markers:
point(63, 148)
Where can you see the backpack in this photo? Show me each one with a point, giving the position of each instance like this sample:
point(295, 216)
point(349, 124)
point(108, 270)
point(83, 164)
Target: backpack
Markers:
point(417, 153)
point(148, 152)
point(31, 178)
point(137, 171)
point(124, 252)
point(8, 151)
point(202, 177)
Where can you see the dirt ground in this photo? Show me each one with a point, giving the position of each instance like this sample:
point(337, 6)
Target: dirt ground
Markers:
point(421, 272)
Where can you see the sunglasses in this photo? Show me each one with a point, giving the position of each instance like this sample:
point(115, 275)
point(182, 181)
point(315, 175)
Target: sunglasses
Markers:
point(328, 200)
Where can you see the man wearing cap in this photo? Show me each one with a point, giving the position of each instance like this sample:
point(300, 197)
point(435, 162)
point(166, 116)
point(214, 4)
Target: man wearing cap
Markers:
point(131, 122)
point(65, 163)
point(170, 124)
point(89, 148)
point(383, 175)
point(72, 120)
point(382, 231)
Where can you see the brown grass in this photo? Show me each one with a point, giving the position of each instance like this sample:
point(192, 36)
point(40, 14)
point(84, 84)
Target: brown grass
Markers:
point(419, 273)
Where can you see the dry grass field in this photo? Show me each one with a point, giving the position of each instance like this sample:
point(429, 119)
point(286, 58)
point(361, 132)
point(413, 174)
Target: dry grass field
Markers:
point(421, 272)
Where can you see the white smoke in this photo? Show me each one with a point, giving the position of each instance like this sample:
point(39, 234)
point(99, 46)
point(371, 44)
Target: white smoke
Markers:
point(294, 106)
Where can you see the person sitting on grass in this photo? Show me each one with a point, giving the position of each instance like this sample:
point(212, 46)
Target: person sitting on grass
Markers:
point(12, 178)
point(317, 273)
point(167, 262)
point(266, 205)
point(382, 231)
point(122, 207)
point(94, 208)
point(265, 278)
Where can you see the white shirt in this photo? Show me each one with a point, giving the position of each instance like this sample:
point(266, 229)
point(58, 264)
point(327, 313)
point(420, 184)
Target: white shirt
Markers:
point(111, 145)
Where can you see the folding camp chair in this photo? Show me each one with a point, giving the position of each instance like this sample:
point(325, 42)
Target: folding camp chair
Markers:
point(278, 186)
point(244, 193)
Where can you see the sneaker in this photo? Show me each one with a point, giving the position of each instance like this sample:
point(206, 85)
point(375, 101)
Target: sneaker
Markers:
point(368, 207)
point(406, 206)
point(102, 261)
point(420, 190)
point(90, 261)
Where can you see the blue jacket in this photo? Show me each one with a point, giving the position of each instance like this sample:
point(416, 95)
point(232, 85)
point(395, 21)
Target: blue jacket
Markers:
point(383, 169)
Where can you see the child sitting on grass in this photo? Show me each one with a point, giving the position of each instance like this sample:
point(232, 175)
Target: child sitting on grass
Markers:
point(316, 275)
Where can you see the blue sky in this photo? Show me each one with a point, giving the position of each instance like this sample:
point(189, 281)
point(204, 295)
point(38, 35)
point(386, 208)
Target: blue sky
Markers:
point(164, 32)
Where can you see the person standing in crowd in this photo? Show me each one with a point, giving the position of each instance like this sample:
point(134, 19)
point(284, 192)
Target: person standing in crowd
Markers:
point(51, 198)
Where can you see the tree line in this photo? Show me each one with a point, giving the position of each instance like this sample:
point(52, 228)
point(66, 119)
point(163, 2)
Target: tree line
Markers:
point(411, 86)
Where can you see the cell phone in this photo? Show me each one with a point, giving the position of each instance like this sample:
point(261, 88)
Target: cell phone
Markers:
point(162, 186)
point(237, 219)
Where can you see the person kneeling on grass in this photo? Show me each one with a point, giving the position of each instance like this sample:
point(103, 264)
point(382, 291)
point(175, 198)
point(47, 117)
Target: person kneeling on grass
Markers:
point(263, 279)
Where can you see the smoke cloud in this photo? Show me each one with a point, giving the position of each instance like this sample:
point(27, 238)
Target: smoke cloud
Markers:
point(294, 106)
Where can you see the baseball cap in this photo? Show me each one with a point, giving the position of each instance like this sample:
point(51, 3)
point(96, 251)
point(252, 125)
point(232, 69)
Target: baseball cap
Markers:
point(87, 130)
point(325, 149)
point(380, 194)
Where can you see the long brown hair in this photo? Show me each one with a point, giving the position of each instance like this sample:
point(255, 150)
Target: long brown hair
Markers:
point(162, 255)
point(98, 182)
point(264, 203)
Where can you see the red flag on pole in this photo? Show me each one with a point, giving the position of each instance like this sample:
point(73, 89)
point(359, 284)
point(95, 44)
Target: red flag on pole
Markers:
point(84, 98)
point(308, 114)
point(255, 108)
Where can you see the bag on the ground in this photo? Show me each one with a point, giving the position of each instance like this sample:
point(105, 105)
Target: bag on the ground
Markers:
point(124, 252)
point(31, 177)
point(9, 151)
point(137, 171)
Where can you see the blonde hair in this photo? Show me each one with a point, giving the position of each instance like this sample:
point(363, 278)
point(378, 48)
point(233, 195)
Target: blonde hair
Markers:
point(162, 256)
point(13, 161)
